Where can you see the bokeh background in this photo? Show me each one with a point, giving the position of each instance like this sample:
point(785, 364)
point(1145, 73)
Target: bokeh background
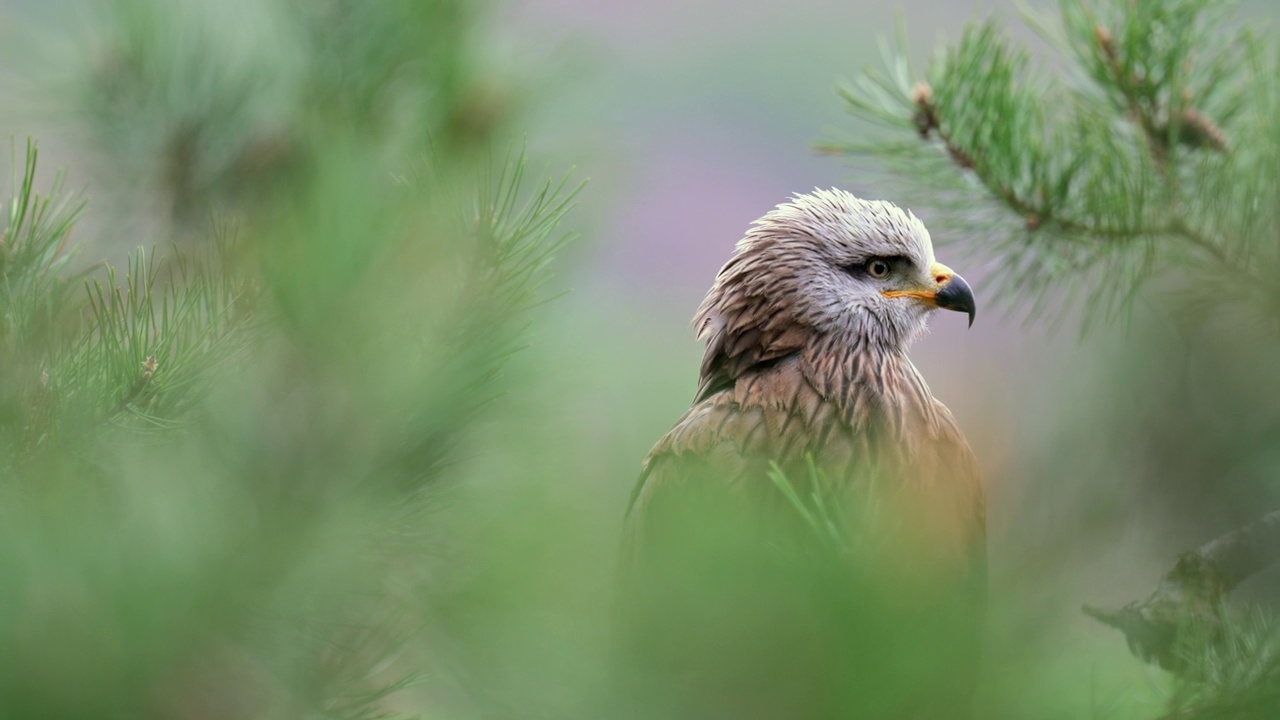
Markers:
point(1106, 453)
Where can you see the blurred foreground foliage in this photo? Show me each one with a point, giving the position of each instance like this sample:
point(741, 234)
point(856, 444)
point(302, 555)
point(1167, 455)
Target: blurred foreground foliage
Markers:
point(256, 472)
point(224, 105)
point(1144, 173)
point(220, 461)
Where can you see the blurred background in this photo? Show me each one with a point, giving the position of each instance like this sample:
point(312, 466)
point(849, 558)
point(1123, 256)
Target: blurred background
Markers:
point(1106, 454)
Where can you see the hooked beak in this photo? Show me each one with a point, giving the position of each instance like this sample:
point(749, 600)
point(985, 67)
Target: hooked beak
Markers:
point(950, 292)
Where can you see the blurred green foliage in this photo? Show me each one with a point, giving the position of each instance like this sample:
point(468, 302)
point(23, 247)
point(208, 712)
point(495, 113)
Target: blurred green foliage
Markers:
point(221, 460)
point(294, 464)
point(210, 105)
point(217, 463)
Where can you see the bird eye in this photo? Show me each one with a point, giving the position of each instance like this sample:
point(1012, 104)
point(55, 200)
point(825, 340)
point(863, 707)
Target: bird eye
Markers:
point(878, 269)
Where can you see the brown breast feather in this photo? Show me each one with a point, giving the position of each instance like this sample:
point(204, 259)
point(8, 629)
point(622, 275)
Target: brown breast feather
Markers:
point(848, 411)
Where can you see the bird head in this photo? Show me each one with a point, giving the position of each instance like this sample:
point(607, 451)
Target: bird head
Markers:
point(835, 265)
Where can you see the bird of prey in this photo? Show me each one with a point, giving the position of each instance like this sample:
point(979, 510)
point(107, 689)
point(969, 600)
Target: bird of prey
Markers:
point(805, 383)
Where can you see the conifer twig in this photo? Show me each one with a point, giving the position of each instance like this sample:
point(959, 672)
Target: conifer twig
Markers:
point(1138, 112)
point(1037, 215)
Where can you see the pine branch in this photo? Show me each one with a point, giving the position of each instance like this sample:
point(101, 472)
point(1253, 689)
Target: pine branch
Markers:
point(1036, 215)
point(1087, 192)
point(1139, 112)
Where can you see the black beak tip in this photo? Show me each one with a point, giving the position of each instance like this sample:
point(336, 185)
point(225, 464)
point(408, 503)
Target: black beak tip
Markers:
point(957, 295)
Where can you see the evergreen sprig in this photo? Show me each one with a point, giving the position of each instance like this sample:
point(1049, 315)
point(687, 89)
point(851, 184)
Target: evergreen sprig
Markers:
point(156, 336)
point(34, 251)
point(1087, 184)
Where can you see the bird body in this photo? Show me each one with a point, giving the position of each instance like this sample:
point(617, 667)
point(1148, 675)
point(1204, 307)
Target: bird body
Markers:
point(782, 416)
point(805, 379)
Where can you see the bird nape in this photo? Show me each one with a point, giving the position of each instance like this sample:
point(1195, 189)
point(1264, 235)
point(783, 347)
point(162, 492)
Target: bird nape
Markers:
point(808, 540)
